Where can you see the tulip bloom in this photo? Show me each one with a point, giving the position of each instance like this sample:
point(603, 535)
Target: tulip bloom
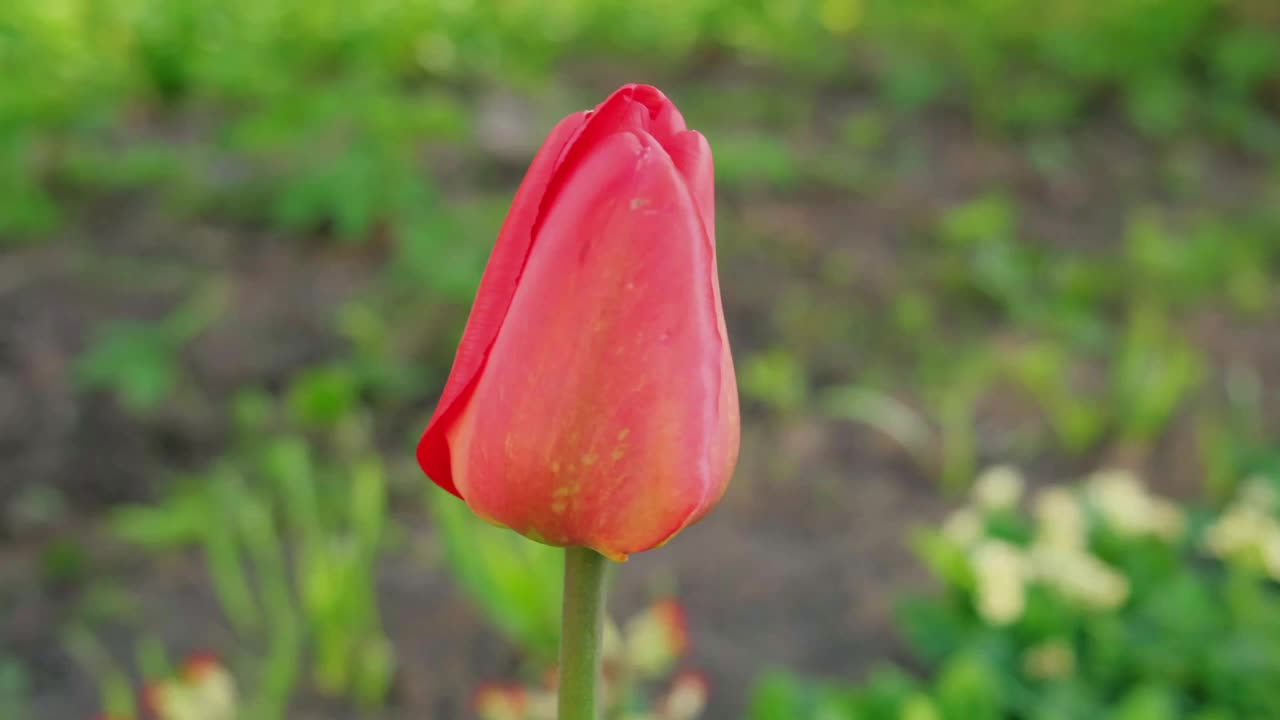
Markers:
point(592, 400)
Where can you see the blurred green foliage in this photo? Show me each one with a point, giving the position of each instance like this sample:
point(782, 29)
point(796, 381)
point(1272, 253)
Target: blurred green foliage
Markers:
point(328, 109)
point(291, 526)
point(641, 675)
point(1101, 341)
point(1038, 65)
point(13, 689)
point(138, 362)
point(514, 581)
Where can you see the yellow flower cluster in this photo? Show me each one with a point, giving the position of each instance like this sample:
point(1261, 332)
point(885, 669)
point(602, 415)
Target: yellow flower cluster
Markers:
point(1060, 520)
point(964, 527)
point(998, 489)
point(1126, 506)
point(1077, 575)
point(1058, 557)
point(1002, 572)
point(1248, 529)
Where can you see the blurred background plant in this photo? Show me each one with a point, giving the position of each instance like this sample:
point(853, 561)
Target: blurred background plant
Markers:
point(638, 679)
point(239, 238)
point(1103, 601)
point(515, 583)
point(290, 529)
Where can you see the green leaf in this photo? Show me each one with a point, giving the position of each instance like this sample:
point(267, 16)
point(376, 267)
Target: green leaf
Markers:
point(968, 689)
point(323, 396)
point(514, 581)
point(778, 696)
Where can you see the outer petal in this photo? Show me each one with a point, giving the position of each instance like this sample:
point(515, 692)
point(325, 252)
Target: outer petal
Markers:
point(640, 109)
point(493, 298)
point(599, 419)
point(692, 157)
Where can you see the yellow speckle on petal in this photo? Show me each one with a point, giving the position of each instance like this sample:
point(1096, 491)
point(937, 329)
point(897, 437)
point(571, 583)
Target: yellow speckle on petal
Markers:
point(490, 520)
point(555, 467)
point(561, 491)
point(589, 459)
point(621, 448)
point(613, 555)
point(558, 506)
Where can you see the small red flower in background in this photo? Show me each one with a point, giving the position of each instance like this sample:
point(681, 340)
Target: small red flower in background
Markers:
point(200, 667)
point(636, 675)
point(656, 638)
point(592, 400)
point(687, 697)
point(202, 690)
point(501, 702)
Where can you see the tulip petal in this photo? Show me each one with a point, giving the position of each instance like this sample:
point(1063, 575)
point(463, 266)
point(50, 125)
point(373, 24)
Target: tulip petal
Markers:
point(596, 420)
point(641, 109)
point(493, 297)
point(666, 122)
point(692, 157)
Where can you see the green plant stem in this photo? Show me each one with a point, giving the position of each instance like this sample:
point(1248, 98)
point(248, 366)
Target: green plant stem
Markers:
point(581, 633)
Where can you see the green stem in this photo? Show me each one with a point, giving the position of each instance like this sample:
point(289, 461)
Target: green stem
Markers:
point(581, 633)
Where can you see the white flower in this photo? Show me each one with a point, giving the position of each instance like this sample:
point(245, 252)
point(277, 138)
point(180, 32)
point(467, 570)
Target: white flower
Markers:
point(654, 639)
point(1239, 529)
point(1271, 556)
point(1000, 570)
point(205, 691)
point(1121, 499)
point(1166, 519)
point(994, 557)
point(1080, 576)
point(1001, 600)
point(1127, 507)
point(1246, 532)
point(687, 697)
point(998, 488)
point(1060, 518)
point(964, 527)
point(1259, 492)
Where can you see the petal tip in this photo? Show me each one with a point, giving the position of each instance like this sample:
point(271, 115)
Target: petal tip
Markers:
point(433, 458)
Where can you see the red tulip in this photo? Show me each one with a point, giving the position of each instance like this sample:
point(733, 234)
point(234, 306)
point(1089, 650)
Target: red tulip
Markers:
point(592, 400)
